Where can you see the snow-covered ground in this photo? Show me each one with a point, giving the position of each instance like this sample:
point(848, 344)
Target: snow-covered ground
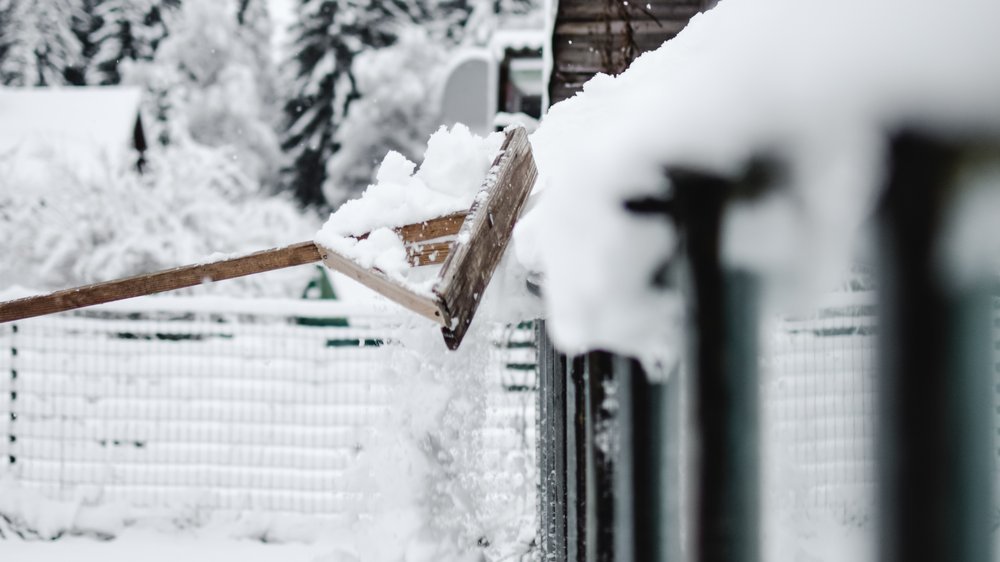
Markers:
point(153, 546)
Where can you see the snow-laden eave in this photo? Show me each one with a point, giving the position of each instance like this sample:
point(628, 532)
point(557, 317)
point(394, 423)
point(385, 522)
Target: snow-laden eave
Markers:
point(503, 40)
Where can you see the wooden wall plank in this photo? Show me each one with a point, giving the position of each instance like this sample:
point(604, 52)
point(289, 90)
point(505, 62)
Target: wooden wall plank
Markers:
point(589, 10)
point(589, 30)
point(604, 36)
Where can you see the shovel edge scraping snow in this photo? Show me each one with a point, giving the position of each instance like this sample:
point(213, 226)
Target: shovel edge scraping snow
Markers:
point(480, 236)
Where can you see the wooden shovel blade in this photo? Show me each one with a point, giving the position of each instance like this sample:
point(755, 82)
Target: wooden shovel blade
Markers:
point(484, 236)
point(476, 251)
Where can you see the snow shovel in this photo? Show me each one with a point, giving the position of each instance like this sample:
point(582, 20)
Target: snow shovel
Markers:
point(469, 259)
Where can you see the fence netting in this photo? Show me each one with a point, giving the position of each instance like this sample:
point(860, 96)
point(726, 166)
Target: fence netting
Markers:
point(260, 406)
point(820, 401)
point(820, 398)
point(266, 406)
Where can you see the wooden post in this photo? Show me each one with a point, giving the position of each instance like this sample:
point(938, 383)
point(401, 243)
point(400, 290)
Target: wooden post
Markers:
point(935, 439)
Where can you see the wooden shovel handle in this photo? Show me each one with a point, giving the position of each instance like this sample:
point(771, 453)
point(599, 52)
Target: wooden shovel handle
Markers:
point(191, 275)
point(168, 280)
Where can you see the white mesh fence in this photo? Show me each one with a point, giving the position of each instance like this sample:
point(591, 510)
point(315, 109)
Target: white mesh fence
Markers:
point(224, 404)
point(819, 401)
point(820, 405)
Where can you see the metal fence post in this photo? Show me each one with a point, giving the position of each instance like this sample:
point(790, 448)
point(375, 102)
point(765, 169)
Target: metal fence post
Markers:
point(552, 493)
point(647, 471)
point(12, 411)
point(577, 454)
point(601, 447)
point(935, 464)
point(724, 357)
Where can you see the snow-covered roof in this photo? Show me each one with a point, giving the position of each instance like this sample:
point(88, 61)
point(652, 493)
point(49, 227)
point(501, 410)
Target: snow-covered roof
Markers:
point(84, 124)
point(517, 39)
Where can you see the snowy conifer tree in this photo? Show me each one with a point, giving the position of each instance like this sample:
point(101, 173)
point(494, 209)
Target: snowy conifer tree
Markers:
point(329, 35)
point(12, 53)
point(205, 84)
point(85, 25)
point(37, 43)
point(129, 30)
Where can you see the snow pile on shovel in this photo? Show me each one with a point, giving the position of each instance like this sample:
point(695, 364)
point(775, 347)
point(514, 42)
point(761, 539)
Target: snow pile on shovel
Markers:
point(455, 164)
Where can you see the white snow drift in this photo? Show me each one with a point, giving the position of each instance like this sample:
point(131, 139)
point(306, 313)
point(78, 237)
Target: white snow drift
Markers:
point(819, 85)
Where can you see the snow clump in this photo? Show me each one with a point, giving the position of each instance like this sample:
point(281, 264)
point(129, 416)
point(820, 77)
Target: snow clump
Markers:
point(819, 86)
point(455, 164)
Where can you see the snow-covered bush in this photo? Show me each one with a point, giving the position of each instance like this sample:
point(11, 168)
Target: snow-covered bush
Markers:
point(61, 228)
